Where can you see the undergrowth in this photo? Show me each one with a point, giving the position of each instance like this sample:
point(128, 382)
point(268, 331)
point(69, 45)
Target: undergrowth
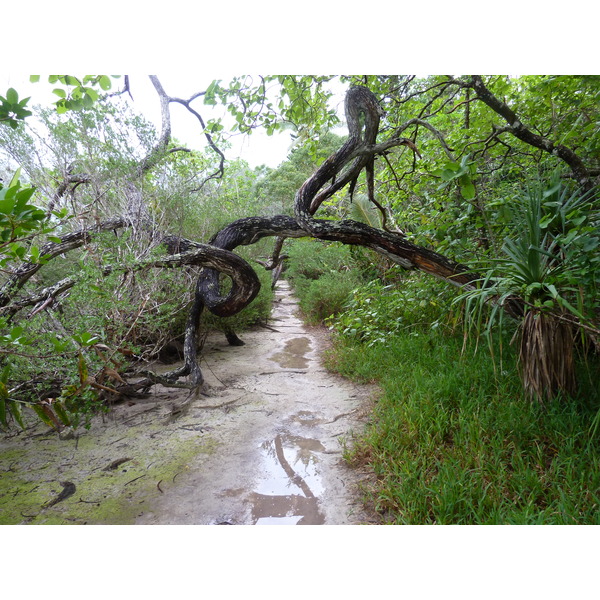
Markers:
point(323, 276)
point(452, 438)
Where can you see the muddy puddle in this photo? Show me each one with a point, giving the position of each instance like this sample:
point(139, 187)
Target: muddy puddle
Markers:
point(262, 446)
point(293, 354)
point(291, 484)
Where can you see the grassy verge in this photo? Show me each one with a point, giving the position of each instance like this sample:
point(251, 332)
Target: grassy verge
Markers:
point(323, 276)
point(452, 440)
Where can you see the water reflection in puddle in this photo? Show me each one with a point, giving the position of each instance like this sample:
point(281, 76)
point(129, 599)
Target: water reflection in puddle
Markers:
point(291, 485)
point(292, 355)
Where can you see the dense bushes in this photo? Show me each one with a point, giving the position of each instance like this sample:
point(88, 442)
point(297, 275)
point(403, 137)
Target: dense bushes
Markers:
point(323, 276)
point(71, 350)
point(375, 311)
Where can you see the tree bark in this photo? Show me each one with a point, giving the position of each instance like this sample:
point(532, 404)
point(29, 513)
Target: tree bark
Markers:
point(580, 172)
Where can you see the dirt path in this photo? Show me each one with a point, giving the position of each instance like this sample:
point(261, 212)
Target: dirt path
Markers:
point(263, 447)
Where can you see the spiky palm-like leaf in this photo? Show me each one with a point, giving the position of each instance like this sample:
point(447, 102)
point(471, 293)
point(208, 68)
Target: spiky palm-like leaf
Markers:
point(364, 211)
point(540, 267)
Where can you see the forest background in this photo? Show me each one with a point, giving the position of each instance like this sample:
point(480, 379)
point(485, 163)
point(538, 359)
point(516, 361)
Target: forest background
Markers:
point(426, 296)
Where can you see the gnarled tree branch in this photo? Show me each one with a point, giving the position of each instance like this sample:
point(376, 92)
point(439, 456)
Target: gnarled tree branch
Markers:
point(519, 130)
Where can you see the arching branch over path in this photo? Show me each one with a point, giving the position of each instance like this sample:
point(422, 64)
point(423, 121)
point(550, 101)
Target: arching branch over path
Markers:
point(363, 113)
point(340, 169)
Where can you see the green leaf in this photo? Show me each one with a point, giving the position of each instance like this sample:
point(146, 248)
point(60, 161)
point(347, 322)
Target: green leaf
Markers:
point(92, 93)
point(563, 302)
point(23, 196)
point(59, 345)
point(59, 92)
point(14, 182)
point(467, 189)
point(5, 374)
point(86, 338)
point(552, 289)
point(82, 368)
point(41, 413)
point(34, 78)
point(15, 410)
point(34, 254)
point(87, 101)
point(11, 96)
point(105, 82)
point(7, 205)
point(61, 412)
point(3, 412)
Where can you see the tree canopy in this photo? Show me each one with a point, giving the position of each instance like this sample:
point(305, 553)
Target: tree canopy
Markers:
point(97, 208)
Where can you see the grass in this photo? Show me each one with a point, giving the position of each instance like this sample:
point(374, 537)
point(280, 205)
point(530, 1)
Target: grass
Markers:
point(453, 441)
point(323, 276)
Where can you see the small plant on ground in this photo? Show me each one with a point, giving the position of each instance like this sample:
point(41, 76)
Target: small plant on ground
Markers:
point(374, 312)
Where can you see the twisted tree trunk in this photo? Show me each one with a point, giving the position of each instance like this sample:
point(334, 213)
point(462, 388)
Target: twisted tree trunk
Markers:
point(344, 166)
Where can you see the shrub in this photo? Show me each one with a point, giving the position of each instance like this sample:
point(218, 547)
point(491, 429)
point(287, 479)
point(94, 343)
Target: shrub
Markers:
point(325, 297)
point(374, 311)
point(323, 276)
point(549, 263)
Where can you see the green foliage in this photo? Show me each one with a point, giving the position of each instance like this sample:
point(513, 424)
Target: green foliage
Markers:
point(310, 259)
point(323, 276)
point(12, 109)
point(19, 221)
point(550, 264)
point(18, 218)
point(459, 197)
point(277, 189)
point(302, 101)
point(80, 93)
point(460, 172)
point(83, 94)
point(376, 312)
point(552, 259)
point(325, 297)
point(55, 359)
point(364, 211)
point(451, 440)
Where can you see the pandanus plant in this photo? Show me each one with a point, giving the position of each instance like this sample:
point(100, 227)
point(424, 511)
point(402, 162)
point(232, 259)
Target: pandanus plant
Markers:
point(549, 268)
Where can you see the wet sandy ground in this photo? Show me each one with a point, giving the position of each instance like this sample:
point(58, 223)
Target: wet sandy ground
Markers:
point(279, 445)
point(262, 446)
